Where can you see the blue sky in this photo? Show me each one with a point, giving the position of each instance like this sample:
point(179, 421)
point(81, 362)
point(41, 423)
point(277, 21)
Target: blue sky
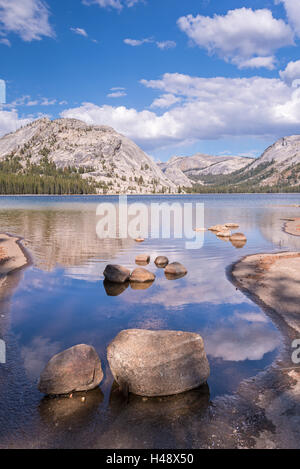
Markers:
point(176, 76)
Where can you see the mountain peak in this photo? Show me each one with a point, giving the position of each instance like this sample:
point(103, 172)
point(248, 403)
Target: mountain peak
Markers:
point(99, 153)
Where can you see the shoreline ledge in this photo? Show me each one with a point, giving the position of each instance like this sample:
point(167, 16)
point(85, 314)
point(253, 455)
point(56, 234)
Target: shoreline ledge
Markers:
point(292, 227)
point(273, 280)
point(271, 399)
point(12, 254)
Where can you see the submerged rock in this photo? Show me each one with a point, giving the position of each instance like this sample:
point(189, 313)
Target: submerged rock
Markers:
point(161, 261)
point(139, 240)
point(175, 269)
point(231, 225)
point(141, 275)
point(158, 363)
point(116, 273)
point(142, 259)
point(75, 369)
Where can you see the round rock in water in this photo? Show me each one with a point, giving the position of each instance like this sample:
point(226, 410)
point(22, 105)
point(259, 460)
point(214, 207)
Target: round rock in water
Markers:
point(75, 369)
point(176, 269)
point(161, 261)
point(231, 225)
point(116, 273)
point(141, 275)
point(158, 363)
point(142, 259)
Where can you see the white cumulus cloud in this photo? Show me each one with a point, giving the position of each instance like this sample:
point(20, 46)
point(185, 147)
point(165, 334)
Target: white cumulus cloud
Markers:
point(292, 8)
point(240, 35)
point(10, 121)
point(207, 108)
point(292, 73)
point(257, 62)
point(29, 19)
point(165, 101)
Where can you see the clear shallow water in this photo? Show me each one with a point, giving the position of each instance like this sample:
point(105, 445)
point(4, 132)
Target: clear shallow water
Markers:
point(60, 300)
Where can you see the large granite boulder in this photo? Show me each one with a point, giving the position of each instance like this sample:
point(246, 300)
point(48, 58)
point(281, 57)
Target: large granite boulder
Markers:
point(75, 369)
point(158, 363)
point(116, 273)
point(141, 275)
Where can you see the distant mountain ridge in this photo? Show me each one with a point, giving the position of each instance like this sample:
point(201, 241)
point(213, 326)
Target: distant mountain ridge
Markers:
point(186, 170)
point(68, 156)
point(100, 154)
point(276, 170)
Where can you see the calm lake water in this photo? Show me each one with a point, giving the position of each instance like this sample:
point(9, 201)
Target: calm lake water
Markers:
point(60, 301)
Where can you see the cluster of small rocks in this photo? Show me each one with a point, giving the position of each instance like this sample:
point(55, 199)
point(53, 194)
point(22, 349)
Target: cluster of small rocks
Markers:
point(224, 232)
point(118, 274)
point(146, 363)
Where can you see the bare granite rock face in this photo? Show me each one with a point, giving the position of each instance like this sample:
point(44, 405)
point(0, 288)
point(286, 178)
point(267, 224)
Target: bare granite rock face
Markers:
point(75, 369)
point(278, 165)
point(158, 363)
point(116, 273)
point(100, 152)
point(185, 170)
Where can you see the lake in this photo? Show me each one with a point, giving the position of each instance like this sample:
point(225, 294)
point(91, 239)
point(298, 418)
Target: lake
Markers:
point(60, 300)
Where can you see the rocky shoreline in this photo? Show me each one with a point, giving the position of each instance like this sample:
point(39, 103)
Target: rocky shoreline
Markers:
point(292, 226)
point(12, 254)
point(268, 405)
